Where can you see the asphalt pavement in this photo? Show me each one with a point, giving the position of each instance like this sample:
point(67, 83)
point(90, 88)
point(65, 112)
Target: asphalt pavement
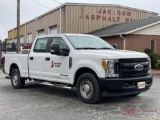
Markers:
point(43, 102)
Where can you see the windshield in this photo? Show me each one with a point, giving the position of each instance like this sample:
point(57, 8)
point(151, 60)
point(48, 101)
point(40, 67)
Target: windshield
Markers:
point(88, 42)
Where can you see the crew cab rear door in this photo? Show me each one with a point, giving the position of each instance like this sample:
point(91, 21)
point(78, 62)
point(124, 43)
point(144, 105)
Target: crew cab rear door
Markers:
point(37, 59)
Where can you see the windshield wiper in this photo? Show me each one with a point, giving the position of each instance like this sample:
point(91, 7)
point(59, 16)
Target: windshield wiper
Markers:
point(104, 48)
point(87, 48)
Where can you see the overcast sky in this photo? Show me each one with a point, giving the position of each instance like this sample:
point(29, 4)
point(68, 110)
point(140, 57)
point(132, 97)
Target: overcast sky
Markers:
point(30, 9)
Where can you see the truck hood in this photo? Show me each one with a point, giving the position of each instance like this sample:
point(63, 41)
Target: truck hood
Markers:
point(114, 54)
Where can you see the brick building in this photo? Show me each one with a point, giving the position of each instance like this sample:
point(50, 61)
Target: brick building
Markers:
point(135, 35)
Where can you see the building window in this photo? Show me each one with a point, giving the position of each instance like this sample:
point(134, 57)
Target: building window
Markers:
point(52, 30)
point(12, 40)
point(21, 39)
point(15, 40)
point(29, 38)
point(40, 32)
point(153, 45)
point(10, 43)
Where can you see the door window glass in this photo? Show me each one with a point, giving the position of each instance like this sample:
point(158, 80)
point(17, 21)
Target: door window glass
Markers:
point(40, 45)
point(60, 41)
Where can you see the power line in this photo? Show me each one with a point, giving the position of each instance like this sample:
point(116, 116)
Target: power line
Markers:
point(52, 2)
point(57, 2)
point(41, 4)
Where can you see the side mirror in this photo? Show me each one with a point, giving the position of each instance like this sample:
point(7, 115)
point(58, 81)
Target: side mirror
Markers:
point(115, 46)
point(65, 51)
point(55, 49)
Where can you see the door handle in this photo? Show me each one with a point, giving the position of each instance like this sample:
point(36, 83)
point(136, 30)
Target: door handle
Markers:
point(47, 58)
point(31, 58)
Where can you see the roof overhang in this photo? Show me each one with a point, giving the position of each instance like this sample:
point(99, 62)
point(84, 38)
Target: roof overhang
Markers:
point(110, 35)
point(143, 27)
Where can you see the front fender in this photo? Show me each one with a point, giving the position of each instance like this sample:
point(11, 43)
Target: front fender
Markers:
point(95, 66)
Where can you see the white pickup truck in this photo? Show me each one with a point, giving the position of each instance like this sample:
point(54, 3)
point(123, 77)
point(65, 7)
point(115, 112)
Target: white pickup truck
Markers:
point(83, 61)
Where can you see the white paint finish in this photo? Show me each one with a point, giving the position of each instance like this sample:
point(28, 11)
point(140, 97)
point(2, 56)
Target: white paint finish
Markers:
point(59, 74)
point(41, 69)
point(151, 30)
point(36, 66)
point(58, 66)
point(20, 59)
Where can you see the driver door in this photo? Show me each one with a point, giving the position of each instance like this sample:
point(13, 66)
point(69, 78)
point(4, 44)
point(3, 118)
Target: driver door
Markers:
point(57, 68)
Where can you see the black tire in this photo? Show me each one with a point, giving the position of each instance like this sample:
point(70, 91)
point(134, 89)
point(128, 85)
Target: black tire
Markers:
point(88, 88)
point(16, 80)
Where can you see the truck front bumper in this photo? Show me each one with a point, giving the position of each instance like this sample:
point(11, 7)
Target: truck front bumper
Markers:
point(124, 86)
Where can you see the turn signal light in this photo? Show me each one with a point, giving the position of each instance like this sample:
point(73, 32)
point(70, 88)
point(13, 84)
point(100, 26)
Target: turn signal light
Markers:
point(104, 64)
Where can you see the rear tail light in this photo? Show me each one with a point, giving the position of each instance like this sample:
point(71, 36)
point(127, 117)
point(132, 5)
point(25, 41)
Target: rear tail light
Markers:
point(3, 62)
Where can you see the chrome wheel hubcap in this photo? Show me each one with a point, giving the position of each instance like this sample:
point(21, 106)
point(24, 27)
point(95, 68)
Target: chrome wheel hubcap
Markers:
point(15, 79)
point(86, 89)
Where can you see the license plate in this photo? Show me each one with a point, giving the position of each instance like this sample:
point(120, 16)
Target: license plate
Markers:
point(141, 85)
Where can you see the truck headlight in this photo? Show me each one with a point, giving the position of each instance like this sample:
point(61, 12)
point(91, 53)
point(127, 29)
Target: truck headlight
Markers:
point(109, 67)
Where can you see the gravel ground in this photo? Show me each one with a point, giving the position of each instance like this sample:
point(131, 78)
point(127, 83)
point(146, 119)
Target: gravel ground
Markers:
point(42, 102)
point(2, 76)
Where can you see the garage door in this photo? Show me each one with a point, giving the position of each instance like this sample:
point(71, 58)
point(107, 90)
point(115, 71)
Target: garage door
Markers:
point(40, 32)
point(53, 30)
point(21, 39)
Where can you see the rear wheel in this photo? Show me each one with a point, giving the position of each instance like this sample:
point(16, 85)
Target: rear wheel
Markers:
point(88, 88)
point(16, 80)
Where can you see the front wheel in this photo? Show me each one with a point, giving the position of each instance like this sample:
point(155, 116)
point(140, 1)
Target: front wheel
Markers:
point(88, 88)
point(16, 80)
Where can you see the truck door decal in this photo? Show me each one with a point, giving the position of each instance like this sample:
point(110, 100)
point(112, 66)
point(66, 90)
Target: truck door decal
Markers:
point(52, 64)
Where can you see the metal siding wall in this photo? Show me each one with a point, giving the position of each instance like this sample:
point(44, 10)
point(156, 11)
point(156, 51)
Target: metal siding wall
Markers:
point(67, 24)
point(44, 22)
point(63, 18)
point(13, 33)
point(76, 21)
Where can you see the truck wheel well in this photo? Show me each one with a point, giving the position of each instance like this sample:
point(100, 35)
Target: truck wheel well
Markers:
point(81, 71)
point(13, 66)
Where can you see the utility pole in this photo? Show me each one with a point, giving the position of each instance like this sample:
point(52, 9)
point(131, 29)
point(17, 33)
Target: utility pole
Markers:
point(18, 26)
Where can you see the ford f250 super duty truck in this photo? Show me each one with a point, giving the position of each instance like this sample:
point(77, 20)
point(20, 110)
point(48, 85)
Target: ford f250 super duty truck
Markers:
point(83, 61)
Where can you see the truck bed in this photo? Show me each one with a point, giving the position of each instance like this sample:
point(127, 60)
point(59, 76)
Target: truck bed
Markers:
point(19, 59)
